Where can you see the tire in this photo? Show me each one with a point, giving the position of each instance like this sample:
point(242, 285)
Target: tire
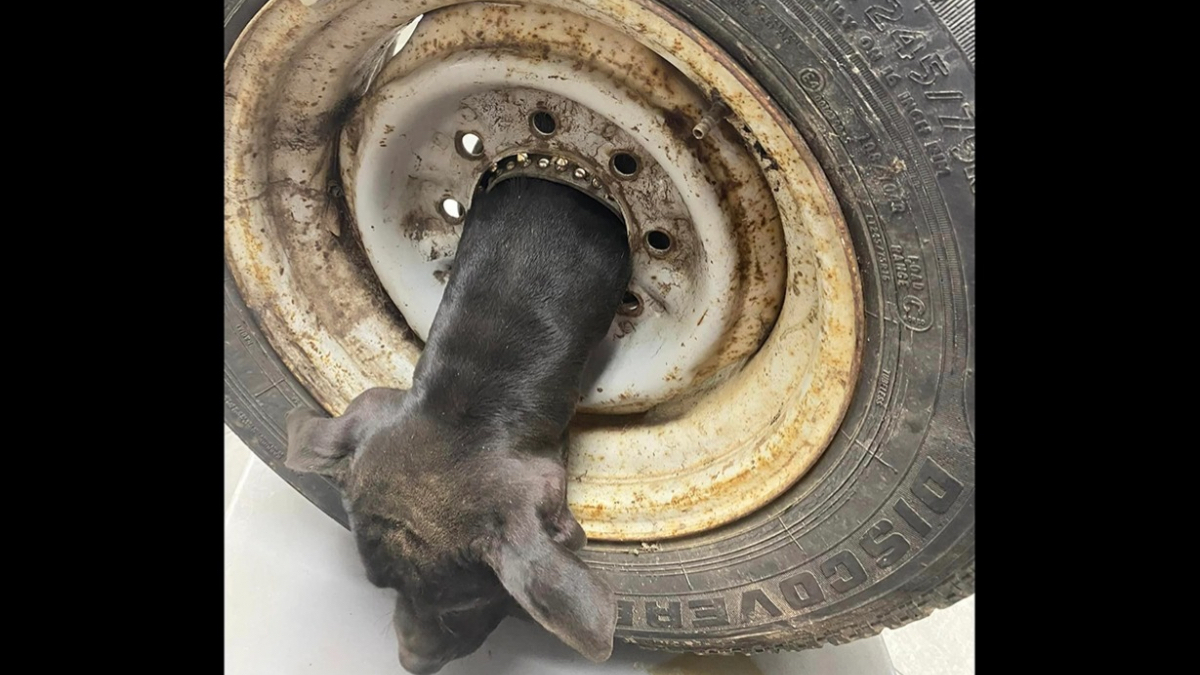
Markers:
point(881, 531)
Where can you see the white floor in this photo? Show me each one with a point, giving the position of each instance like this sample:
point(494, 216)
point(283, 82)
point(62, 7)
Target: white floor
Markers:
point(296, 601)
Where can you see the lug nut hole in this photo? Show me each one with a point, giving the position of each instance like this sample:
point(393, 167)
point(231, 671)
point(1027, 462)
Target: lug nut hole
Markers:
point(469, 144)
point(452, 209)
point(543, 123)
point(625, 165)
point(631, 304)
point(658, 241)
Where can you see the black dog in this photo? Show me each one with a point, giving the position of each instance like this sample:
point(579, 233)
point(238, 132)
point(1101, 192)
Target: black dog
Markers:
point(456, 488)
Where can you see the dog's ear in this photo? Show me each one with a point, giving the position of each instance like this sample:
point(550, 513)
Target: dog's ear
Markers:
point(318, 444)
point(556, 589)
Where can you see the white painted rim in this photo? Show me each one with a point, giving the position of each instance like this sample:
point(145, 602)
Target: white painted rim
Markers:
point(404, 164)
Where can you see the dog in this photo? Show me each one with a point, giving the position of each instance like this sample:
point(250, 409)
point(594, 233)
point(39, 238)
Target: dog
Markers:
point(456, 487)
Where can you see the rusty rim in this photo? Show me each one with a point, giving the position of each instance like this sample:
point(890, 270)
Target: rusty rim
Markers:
point(320, 99)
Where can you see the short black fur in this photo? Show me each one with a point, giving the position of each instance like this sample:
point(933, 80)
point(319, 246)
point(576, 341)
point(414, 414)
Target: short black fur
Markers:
point(456, 488)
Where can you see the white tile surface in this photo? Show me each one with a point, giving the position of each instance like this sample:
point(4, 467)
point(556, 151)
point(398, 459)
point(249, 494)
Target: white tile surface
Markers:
point(942, 643)
point(296, 601)
point(237, 460)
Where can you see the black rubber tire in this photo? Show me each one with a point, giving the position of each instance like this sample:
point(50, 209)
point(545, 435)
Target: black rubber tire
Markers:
point(882, 530)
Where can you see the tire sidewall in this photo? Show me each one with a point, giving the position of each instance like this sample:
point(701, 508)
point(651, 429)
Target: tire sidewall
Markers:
point(885, 99)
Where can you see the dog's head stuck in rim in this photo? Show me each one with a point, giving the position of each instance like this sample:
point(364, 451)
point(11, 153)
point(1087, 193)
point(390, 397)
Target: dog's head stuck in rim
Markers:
point(456, 488)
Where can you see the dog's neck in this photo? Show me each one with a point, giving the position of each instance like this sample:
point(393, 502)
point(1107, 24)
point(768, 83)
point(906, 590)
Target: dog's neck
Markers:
point(525, 404)
point(520, 316)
